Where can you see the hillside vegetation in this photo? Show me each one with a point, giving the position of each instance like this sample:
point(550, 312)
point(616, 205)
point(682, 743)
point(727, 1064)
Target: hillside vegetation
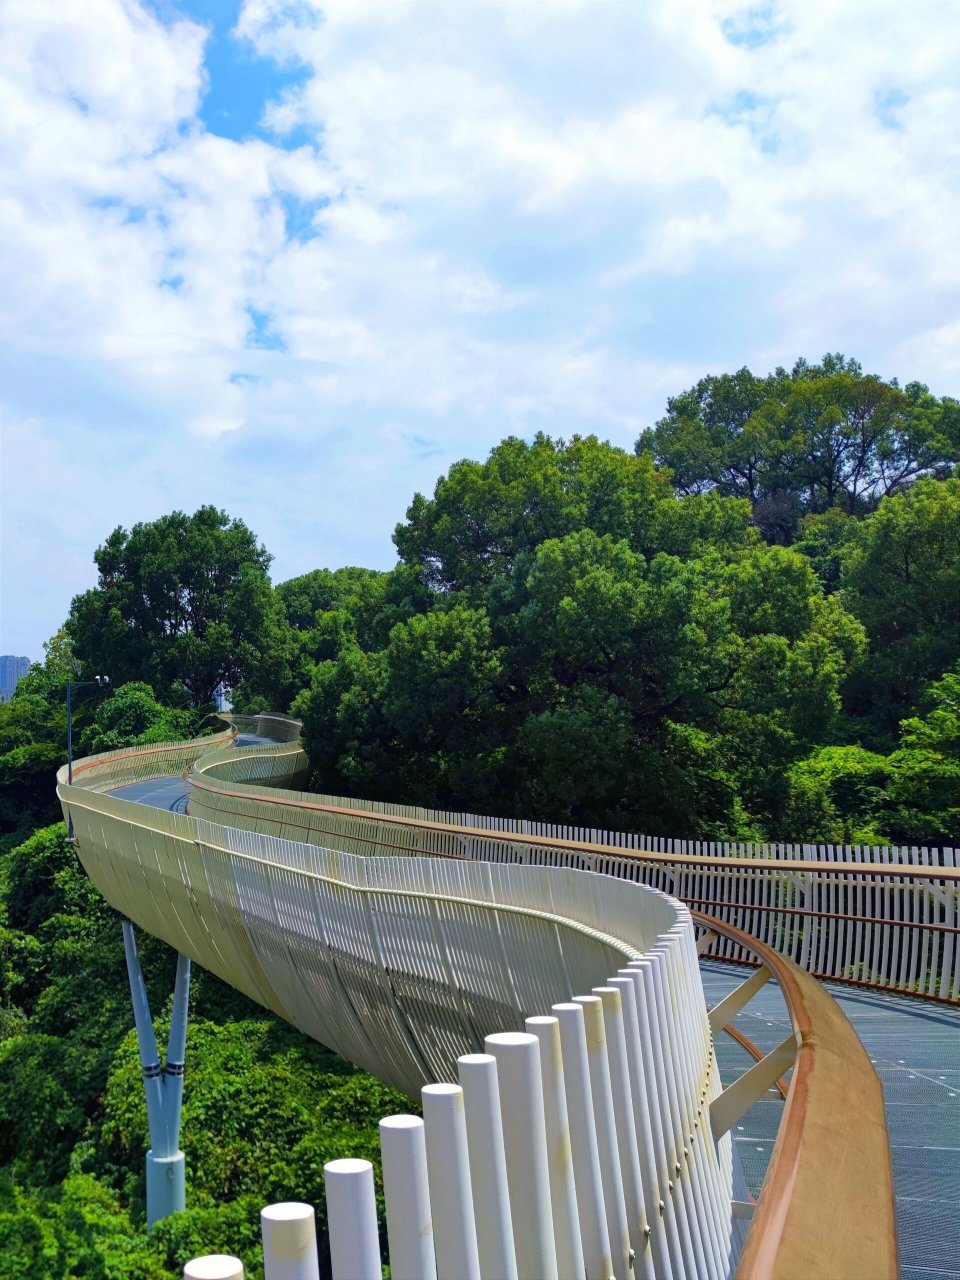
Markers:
point(748, 627)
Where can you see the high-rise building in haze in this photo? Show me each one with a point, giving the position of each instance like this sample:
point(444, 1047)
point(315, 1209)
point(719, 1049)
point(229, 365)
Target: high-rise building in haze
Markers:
point(11, 669)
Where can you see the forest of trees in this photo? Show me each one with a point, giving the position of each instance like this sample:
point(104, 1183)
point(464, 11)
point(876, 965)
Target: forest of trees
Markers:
point(748, 627)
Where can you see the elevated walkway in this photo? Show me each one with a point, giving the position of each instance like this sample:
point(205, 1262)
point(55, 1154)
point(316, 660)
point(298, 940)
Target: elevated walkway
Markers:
point(404, 941)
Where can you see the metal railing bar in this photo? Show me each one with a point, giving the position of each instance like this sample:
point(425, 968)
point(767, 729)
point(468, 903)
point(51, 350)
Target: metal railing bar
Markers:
point(782, 1086)
point(822, 915)
point(814, 1189)
point(736, 1100)
point(731, 1004)
point(705, 940)
point(823, 976)
point(908, 871)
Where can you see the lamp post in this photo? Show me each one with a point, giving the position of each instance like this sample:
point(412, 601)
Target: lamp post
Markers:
point(100, 682)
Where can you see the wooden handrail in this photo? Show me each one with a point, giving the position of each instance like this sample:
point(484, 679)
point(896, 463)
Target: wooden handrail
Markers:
point(827, 1207)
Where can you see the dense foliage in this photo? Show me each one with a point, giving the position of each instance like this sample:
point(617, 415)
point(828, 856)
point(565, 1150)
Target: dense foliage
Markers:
point(748, 627)
point(604, 643)
point(823, 436)
point(184, 603)
point(264, 1108)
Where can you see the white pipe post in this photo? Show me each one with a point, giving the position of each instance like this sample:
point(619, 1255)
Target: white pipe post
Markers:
point(663, 1235)
point(653, 1046)
point(681, 1251)
point(289, 1232)
point(597, 1257)
point(352, 1220)
point(702, 1161)
point(689, 1172)
point(488, 1165)
point(563, 1193)
point(214, 1266)
point(601, 1093)
point(451, 1195)
point(626, 1131)
point(407, 1197)
point(525, 1142)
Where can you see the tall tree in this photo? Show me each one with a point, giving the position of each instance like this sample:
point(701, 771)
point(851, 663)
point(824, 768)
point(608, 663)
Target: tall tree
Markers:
point(483, 516)
point(822, 436)
point(33, 733)
point(183, 603)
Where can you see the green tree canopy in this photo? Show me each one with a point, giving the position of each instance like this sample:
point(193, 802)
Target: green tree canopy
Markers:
point(912, 795)
point(900, 578)
point(33, 742)
point(594, 684)
point(183, 603)
point(484, 516)
point(822, 436)
point(133, 715)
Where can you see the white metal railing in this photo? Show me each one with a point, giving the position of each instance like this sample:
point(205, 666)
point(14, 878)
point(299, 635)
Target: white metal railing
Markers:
point(893, 923)
point(579, 1147)
point(550, 1150)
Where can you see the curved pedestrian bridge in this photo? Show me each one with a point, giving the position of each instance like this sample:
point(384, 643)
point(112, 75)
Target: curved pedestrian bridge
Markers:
point(410, 942)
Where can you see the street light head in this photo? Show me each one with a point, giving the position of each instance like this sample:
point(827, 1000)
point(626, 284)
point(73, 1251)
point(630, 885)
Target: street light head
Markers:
point(101, 680)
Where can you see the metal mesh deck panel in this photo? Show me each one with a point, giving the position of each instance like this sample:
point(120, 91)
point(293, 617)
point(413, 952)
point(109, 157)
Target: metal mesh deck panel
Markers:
point(915, 1048)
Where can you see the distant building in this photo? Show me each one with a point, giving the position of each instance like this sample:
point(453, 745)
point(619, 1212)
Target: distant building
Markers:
point(11, 669)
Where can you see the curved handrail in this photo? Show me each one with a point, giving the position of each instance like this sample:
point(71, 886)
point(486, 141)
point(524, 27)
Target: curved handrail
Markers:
point(827, 1204)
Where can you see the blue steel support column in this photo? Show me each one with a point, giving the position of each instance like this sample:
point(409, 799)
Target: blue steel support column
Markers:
point(166, 1173)
point(176, 1050)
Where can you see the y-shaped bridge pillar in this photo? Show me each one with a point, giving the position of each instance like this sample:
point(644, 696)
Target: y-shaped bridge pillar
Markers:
point(166, 1180)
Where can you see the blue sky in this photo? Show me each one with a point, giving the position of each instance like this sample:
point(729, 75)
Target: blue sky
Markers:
point(296, 258)
point(240, 82)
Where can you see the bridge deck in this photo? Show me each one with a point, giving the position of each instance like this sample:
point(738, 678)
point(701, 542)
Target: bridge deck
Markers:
point(915, 1048)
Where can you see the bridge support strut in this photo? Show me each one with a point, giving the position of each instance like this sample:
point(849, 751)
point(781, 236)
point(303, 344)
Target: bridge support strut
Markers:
point(166, 1173)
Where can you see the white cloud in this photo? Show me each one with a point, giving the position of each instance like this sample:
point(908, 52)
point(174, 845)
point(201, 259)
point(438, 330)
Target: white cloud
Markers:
point(500, 215)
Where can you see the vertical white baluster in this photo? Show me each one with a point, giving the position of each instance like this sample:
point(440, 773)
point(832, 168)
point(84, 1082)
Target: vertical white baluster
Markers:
point(563, 1195)
point(451, 1197)
point(215, 1266)
point(352, 1220)
point(664, 1239)
point(407, 1198)
point(606, 1135)
point(626, 1130)
point(289, 1233)
point(597, 1257)
point(525, 1142)
point(651, 1046)
point(488, 1165)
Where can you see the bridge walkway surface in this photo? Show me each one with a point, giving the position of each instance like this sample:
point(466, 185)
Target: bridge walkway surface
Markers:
point(915, 1049)
point(170, 792)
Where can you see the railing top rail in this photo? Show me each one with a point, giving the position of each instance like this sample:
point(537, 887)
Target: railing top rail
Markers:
point(828, 1192)
point(104, 758)
point(897, 869)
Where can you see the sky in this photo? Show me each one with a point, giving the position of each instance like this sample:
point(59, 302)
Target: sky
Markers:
point(295, 259)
